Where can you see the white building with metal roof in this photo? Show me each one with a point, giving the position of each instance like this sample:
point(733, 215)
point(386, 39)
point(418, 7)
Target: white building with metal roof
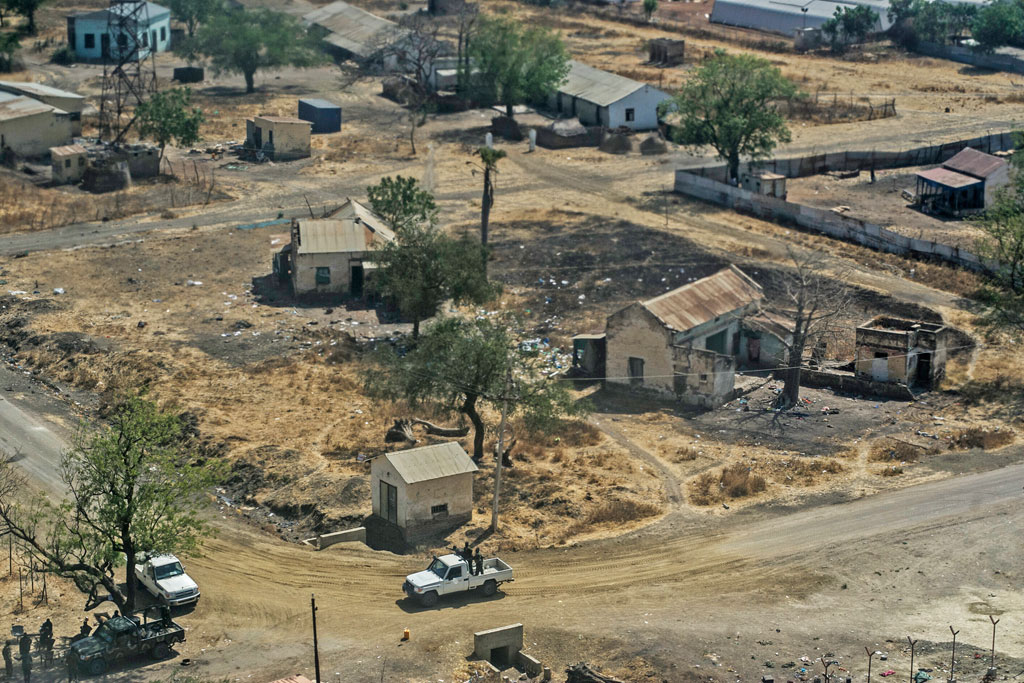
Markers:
point(29, 128)
point(90, 37)
point(330, 255)
point(788, 16)
point(71, 102)
point(423, 491)
point(601, 98)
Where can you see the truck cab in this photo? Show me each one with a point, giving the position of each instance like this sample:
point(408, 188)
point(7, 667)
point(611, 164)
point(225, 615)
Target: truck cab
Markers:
point(165, 578)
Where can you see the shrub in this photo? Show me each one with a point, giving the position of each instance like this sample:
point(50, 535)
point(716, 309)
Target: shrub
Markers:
point(734, 481)
point(64, 55)
point(896, 450)
point(979, 437)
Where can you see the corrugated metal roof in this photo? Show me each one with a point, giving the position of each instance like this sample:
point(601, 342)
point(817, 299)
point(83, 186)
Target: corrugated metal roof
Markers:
point(947, 178)
point(785, 16)
point(351, 28)
point(352, 227)
point(67, 150)
point(706, 299)
point(597, 86)
point(431, 462)
point(974, 163)
point(37, 90)
point(18, 107)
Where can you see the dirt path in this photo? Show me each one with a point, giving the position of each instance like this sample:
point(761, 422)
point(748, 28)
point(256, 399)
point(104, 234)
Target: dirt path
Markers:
point(673, 492)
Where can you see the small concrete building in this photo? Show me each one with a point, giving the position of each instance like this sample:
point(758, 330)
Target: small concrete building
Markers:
point(423, 491)
point(901, 351)
point(72, 103)
point(29, 128)
point(666, 51)
point(765, 183)
point(964, 185)
point(330, 255)
point(280, 138)
point(600, 98)
point(68, 164)
point(684, 343)
point(89, 32)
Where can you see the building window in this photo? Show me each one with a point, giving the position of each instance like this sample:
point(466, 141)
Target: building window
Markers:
point(323, 276)
point(630, 115)
point(67, 163)
point(703, 377)
point(145, 39)
point(163, 33)
point(270, 136)
point(636, 371)
point(90, 41)
point(439, 510)
point(81, 161)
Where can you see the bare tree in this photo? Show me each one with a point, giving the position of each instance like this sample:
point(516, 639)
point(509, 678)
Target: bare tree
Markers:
point(465, 31)
point(809, 307)
point(418, 47)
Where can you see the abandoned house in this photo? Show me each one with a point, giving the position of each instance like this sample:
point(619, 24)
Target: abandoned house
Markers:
point(901, 351)
point(964, 185)
point(72, 103)
point(330, 255)
point(349, 32)
point(423, 491)
point(764, 183)
point(686, 343)
point(280, 138)
point(665, 51)
point(68, 164)
point(89, 32)
point(29, 128)
point(600, 98)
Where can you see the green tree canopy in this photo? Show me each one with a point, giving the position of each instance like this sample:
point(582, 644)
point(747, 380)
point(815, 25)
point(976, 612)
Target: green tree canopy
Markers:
point(461, 364)
point(194, 12)
point(998, 24)
point(9, 44)
point(422, 267)
point(247, 41)
point(850, 25)
point(27, 9)
point(168, 116)
point(650, 6)
point(132, 487)
point(730, 105)
point(516, 63)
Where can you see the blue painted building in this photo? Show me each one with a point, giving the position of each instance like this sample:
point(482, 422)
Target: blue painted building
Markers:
point(88, 33)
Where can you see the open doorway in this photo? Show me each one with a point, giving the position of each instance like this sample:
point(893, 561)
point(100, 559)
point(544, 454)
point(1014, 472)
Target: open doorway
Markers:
point(923, 377)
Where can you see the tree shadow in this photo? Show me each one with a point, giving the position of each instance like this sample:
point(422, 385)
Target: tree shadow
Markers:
point(268, 291)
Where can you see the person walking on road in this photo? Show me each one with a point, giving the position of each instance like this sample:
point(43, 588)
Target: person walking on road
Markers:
point(25, 647)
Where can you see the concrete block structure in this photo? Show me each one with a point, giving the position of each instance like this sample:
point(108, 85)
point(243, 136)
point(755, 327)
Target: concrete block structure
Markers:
point(499, 645)
point(685, 343)
point(280, 138)
point(68, 164)
point(666, 52)
point(423, 491)
point(29, 128)
point(330, 255)
point(89, 32)
point(72, 103)
point(908, 352)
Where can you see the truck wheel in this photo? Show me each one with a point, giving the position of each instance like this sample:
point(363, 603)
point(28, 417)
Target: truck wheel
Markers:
point(429, 599)
point(489, 588)
point(97, 667)
point(161, 651)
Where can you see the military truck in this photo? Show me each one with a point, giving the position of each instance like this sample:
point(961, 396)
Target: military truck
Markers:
point(121, 637)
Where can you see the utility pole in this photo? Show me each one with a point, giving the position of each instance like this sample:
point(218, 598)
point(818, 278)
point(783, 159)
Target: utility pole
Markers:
point(501, 449)
point(316, 647)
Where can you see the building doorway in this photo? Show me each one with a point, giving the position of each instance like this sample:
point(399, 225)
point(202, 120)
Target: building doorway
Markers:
point(389, 502)
point(636, 371)
point(924, 370)
point(880, 367)
point(356, 282)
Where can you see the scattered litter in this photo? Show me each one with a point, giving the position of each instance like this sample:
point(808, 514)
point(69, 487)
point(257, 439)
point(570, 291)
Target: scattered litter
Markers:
point(193, 283)
point(58, 290)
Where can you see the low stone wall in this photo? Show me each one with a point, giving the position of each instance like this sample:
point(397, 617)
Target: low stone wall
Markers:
point(322, 541)
point(850, 384)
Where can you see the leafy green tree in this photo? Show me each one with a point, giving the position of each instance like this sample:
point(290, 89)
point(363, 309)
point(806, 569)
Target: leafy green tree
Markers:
point(850, 25)
point(167, 116)
point(133, 486)
point(999, 24)
point(192, 13)
point(460, 365)
point(516, 63)
point(730, 105)
point(27, 9)
point(402, 203)
point(422, 267)
point(650, 6)
point(1002, 247)
point(9, 44)
point(246, 41)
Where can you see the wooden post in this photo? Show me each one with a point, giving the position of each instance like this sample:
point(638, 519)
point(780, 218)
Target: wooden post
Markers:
point(952, 660)
point(501, 451)
point(992, 659)
point(912, 644)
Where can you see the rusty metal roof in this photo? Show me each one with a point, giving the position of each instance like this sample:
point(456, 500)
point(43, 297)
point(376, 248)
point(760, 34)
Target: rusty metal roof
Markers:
point(352, 227)
point(18, 107)
point(685, 308)
point(971, 162)
point(431, 462)
point(947, 178)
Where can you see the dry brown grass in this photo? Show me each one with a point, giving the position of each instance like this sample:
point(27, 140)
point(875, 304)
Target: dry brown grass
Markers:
point(617, 513)
point(980, 437)
point(733, 481)
point(896, 450)
point(891, 471)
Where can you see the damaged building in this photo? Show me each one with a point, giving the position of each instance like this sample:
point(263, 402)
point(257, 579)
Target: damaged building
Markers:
point(330, 255)
point(687, 343)
point(908, 352)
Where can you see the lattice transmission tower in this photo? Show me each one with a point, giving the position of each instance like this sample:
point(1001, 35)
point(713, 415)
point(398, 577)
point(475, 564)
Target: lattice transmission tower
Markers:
point(129, 71)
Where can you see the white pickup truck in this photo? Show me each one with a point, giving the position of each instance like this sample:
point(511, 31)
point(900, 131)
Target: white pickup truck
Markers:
point(450, 574)
point(163, 576)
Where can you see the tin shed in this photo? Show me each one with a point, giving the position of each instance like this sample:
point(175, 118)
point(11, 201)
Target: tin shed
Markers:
point(325, 116)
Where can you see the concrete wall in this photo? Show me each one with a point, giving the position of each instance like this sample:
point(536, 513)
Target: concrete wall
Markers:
point(415, 500)
point(505, 636)
point(550, 140)
point(644, 103)
point(965, 55)
point(69, 168)
point(634, 332)
point(34, 135)
point(704, 378)
point(304, 272)
point(999, 179)
point(98, 28)
point(381, 470)
point(283, 141)
point(849, 384)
